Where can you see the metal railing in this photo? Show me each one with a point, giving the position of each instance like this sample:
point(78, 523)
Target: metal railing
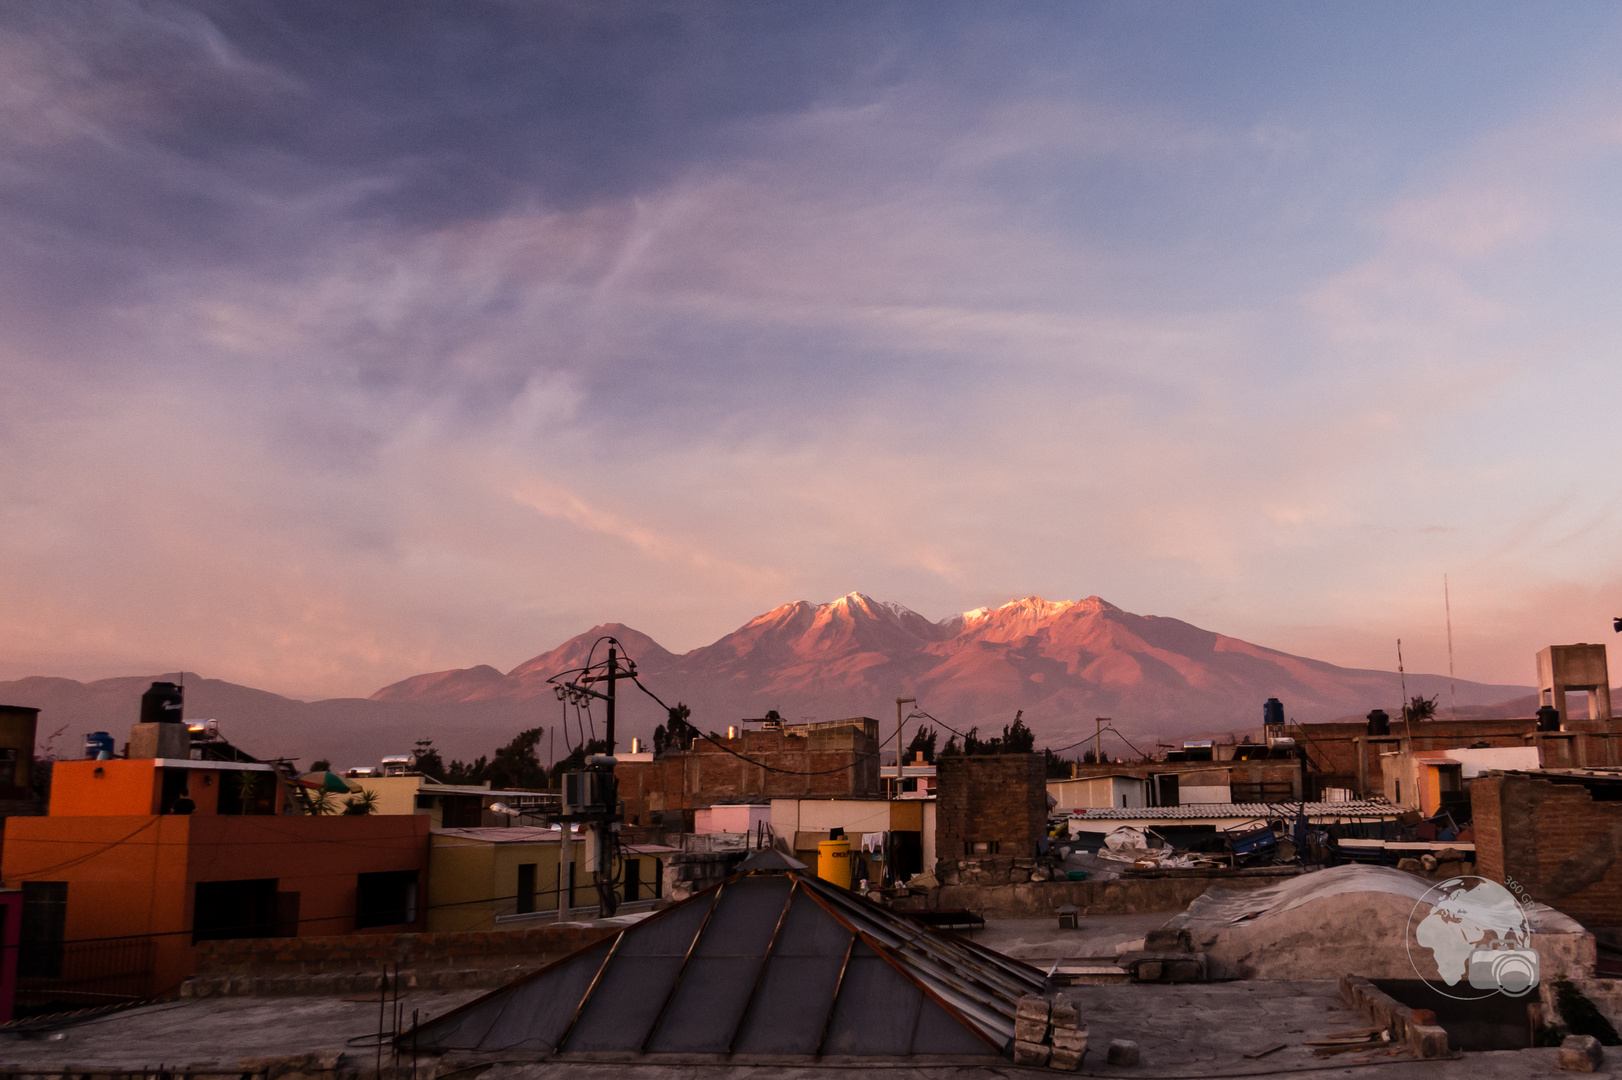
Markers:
point(88, 972)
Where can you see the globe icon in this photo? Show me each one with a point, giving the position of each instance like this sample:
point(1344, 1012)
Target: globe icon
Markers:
point(1478, 938)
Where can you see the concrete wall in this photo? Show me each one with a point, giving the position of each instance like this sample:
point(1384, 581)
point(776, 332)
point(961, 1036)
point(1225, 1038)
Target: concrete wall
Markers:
point(1124, 896)
point(731, 818)
point(991, 804)
point(356, 962)
point(1554, 840)
point(1098, 791)
point(135, 876)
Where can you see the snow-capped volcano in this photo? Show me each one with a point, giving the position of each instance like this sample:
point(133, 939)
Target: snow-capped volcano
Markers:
point(1063, 662)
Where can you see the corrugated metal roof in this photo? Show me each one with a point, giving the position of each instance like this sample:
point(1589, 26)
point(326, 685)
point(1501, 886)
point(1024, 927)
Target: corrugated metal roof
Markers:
point(1234, 810)
point(769, 961)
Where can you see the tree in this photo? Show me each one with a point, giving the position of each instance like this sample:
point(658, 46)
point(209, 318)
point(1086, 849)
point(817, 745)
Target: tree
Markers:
point(361, 804)
point(429, 763)
point(1420, 708)
point(1016, 738)
point(576, 761)
point(516, 766)
point(1054, 765)
point(677, 733)
point(321, 765)
point(923, 741)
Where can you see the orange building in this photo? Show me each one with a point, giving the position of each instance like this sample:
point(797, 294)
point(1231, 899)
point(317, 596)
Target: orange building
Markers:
point(141, 858)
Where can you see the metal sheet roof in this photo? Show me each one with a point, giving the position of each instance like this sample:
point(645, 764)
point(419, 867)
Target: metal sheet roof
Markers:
point(770, 961)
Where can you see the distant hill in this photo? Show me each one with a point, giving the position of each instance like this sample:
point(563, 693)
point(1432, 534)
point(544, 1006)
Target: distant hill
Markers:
point(1062, 662)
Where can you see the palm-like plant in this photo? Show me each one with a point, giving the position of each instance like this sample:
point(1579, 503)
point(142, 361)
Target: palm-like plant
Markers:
point(1420, 708)
point(362, 804)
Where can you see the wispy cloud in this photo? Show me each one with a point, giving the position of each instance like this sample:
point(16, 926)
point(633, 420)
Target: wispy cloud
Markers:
point(362, 347)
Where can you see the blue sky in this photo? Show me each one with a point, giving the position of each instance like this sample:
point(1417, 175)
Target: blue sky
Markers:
point(345, 342)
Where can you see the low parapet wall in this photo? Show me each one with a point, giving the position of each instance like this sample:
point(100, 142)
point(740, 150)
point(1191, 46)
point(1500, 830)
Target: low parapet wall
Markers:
point(1169, 890)
point(358, 962)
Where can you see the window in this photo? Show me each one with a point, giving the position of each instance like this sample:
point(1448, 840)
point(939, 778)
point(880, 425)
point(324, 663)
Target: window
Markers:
point(633, 878)
point(385, 899)
point(245, 792)
point(45, 919)
point(526, 888)
point(222, 910)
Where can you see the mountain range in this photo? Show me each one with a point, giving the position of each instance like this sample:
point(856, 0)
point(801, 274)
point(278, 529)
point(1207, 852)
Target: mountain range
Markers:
point(1062, 662)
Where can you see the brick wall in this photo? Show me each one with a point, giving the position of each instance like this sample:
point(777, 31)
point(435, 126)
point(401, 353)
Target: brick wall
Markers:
point(1555, 840)
point(834, 763)
point(996, 800)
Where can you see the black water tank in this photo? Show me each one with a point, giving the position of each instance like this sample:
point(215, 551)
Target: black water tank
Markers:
point(1379, 723)
point(161, 704)
point(1548, 718)
point(1273, 712)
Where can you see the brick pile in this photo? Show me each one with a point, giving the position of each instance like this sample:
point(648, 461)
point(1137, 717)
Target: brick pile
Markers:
point(1048, 1033)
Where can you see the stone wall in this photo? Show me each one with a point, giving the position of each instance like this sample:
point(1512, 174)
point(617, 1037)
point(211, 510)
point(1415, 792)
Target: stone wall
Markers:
point(1554, 840)
point(356, 962)
point(989, 805)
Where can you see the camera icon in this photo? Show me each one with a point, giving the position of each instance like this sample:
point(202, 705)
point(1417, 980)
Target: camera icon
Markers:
point(1511, 971)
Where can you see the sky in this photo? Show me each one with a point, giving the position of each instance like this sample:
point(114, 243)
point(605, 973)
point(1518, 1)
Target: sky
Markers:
point(340, 343)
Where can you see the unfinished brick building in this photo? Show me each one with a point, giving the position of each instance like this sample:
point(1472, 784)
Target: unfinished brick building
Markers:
point(836, 759)
point(1557, 835)
point(990, 805)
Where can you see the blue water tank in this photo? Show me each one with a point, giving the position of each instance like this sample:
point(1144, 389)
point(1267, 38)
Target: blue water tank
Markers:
point(96, 743)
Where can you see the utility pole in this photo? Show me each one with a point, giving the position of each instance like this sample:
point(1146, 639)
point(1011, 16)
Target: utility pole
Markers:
point(1098, 740)
point(613, 674)
point(591, 797)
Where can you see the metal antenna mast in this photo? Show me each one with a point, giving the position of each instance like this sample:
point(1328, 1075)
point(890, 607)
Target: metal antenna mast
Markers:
point(1402, 677)
point(1452, 686)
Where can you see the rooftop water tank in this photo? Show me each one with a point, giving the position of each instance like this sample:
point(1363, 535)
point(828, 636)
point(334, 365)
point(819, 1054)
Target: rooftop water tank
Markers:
point(161, 704)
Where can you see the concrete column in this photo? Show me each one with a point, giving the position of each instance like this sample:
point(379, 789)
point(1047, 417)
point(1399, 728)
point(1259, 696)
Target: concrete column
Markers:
point(565, 874)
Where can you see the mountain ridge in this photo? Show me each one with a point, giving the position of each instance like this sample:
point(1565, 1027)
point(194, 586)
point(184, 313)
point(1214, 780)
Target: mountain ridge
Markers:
point(1061, 662)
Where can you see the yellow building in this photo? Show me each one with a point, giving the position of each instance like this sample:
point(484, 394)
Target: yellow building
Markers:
point(454, 806)
point(487, 878)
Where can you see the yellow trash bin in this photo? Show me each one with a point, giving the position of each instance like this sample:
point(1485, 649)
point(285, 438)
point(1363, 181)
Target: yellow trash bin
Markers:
point(833, 862)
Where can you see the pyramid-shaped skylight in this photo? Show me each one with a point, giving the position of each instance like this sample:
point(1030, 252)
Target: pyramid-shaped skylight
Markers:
point(770, 961)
